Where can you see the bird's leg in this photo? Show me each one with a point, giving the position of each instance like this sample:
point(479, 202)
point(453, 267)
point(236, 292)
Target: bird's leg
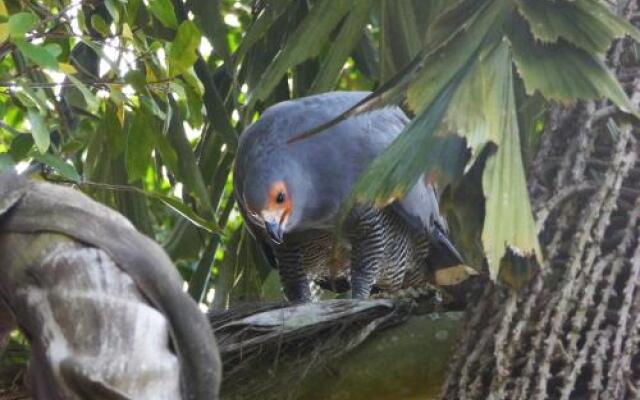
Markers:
point(293, 276)
point(367, 235)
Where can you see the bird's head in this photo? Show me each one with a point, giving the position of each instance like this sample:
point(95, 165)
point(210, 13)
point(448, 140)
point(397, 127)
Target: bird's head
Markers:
point(271, 201)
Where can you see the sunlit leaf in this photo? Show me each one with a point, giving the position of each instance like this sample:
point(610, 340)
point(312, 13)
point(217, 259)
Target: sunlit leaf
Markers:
point(44, 56)
point(4, 26)
point(99, 24)
point(39, 130)
point(164, 12)
point(67, 68)
point(21, 23)
point(182, 53)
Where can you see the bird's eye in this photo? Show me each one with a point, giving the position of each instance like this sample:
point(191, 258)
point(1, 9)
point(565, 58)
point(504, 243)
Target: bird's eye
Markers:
point(280, 198)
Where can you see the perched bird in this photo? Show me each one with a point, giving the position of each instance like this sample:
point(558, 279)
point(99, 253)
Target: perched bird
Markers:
point(290, 194)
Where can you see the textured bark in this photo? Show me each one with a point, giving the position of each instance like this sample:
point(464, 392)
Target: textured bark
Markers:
point(574, 331)
point(38, 288)
point(93, 334)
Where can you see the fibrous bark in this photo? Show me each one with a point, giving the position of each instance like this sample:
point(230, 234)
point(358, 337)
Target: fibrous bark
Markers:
point(574, 331)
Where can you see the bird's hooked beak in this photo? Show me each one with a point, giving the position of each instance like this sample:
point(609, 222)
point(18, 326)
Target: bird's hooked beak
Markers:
point(274, 229)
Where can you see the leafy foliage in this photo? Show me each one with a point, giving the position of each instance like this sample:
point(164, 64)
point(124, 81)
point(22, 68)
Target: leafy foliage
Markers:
point(140, 104)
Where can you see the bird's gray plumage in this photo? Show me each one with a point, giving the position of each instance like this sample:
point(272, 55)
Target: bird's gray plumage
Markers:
point(320, 172)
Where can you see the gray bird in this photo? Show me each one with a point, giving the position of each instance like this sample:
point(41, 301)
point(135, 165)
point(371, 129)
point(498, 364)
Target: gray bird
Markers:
point(290, 194)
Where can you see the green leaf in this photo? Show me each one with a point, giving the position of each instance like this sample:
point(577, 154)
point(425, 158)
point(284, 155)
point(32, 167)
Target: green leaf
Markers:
point(100, 25)
point(65, 169)
point(588, 24)
point(164, 12)
point(350, 33)
point(508, 218)
point(89, 98)
point(187, 168)
point(562, 71)
point(21, 145)
point(208, 16)
point(465, 29)
point(39, 130)
point(258, 30)
point(21, 23)
point(401, 33)
point(183, 51)
point(186, 212)
point(44, 56)
point(140, 145)
point(305, 42)
point(393, 173)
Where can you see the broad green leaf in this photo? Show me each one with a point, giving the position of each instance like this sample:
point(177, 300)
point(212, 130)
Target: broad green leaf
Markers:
point(65, 169)
point(89, 98)
point(164, 12)
point(45, 56)
point(562, 71)
point(140, 145)
point(21, 23)
point(588, 24)
point(183, 51)
point(470, 30)
point(350, 33)
point(112, 7)
point(305, 42)
point(416, 150)
point(21, 146)
point(39, 130)
point(100, 25)
point(508, 217)
point(462, 33)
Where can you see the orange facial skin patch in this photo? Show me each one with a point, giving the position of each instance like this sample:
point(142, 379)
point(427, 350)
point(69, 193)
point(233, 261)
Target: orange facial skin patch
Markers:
point(273, 207)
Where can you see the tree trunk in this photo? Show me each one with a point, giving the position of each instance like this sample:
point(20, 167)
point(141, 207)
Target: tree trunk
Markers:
point(574, 331)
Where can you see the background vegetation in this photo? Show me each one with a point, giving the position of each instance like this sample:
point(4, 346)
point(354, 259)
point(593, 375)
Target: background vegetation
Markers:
point(140, 104)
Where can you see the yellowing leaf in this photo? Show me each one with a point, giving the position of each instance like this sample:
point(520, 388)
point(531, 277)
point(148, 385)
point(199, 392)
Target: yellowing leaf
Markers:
point(508, 215)
point(126, 32)
point(67, 68)
point(4, 27)
point(182, 53)
point(453, 275)
point(4, 32)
